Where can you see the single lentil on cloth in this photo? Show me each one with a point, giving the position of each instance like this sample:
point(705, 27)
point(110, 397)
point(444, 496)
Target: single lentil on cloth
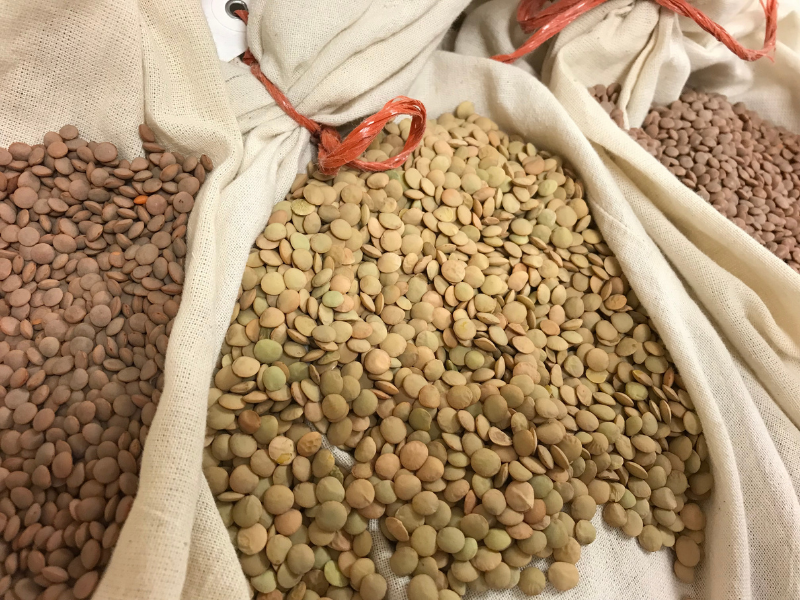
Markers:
point(745, 167)
point(459, 327)
point(91, 272)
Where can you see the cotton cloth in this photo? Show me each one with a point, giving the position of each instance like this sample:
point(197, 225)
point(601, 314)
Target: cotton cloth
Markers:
point(654, 53)
point(106, 67)
point(724, 305)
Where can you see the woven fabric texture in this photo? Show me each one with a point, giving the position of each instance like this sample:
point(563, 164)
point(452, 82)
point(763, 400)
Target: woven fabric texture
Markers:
point(725, 307)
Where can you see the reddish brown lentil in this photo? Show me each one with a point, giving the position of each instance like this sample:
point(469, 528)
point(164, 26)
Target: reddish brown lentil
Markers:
point(90, 281)
point(743, 165)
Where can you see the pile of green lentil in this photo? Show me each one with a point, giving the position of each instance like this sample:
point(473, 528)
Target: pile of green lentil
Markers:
point(461, 329)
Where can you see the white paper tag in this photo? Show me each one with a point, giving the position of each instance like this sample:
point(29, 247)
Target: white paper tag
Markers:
point(227, 29)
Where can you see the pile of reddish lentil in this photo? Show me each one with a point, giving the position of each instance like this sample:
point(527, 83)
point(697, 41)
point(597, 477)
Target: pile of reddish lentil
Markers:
point(92, 251)
point(743, 165)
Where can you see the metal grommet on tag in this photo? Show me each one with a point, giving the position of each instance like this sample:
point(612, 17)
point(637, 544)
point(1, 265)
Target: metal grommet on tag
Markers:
point(228, 31)
point(231, 6)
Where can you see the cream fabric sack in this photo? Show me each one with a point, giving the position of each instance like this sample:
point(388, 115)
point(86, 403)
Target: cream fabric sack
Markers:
point(106, 67)
point(654, 53)
point(725, 306)
point(336, 61)
point(728, 319)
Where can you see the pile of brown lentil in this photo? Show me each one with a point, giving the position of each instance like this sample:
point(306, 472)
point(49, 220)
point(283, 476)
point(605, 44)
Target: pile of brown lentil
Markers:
point(462, 329)
point(745, 166)
point(91, 271)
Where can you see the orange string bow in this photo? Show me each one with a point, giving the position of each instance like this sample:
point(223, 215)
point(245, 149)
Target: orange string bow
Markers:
point(333, 152)
point(549, 21)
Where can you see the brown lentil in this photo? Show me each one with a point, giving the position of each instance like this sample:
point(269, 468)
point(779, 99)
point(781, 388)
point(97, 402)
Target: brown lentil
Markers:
point(90, 281)
point(487, 422)
point(743, 165)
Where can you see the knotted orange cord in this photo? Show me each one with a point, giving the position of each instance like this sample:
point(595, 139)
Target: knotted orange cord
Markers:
point(547, 22)
point(333, 152)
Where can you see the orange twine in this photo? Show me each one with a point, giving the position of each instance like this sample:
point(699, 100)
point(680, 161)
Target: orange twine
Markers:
point(547, 22)
point(333, 152)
